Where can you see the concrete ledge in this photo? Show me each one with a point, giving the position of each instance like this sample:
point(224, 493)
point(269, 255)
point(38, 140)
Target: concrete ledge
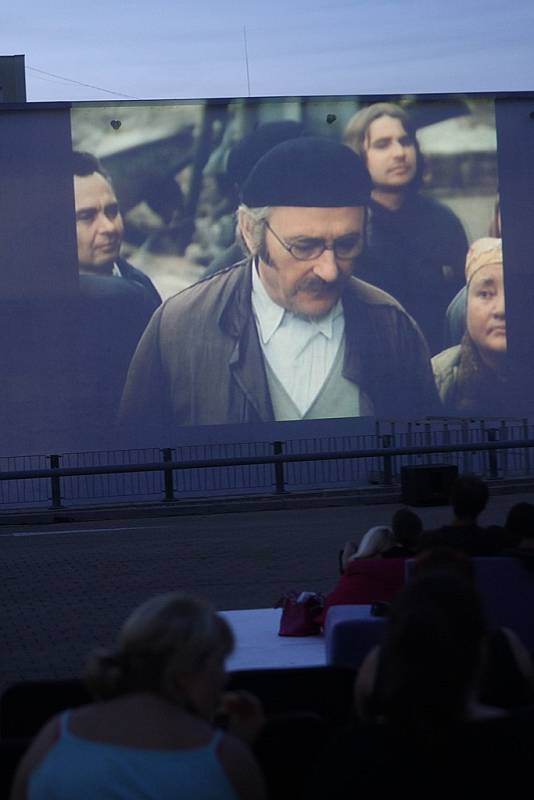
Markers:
point(379, 495)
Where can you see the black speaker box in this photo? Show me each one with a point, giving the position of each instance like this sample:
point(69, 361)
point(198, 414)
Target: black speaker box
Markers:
point(428, 484)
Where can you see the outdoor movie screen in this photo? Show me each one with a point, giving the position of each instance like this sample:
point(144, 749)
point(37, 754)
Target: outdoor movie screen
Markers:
point(255, 261)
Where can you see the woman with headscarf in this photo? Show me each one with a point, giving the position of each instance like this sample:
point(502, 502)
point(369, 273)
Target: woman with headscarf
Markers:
point(415, 246)
point(473, 377)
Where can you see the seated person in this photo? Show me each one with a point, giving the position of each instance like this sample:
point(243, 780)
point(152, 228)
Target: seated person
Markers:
point(149, 734)
point(367, 577)
point(407, 528)
point(373, 544)
point(469, 498)
point(399, 541)
point(473, 377)
point(423, 687)
point(503, 673)
point(519, 534)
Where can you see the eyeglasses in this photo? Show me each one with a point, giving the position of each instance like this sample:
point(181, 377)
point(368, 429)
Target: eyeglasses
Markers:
point(344, 247)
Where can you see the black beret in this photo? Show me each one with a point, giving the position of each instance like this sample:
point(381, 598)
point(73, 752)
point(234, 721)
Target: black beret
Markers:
point(247, 151)
point(308, 171)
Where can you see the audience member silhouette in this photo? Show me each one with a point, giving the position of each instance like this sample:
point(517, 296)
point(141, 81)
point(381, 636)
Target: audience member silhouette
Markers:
point(367, 577)
point(469, 497)
point(149, 734)
point(407, 528)
point(519, 527)
point(423, 688)
point(505, 673)
point(373, 543)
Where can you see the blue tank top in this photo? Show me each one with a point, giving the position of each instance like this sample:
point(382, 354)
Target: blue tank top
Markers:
point(80, 768)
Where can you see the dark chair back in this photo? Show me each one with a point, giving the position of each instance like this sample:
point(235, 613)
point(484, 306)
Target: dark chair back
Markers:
point(26, 706)
point(325, 691)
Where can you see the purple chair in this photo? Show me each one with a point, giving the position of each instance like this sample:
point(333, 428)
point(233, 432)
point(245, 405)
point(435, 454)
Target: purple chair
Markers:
point(506, 586)
point(350, 632)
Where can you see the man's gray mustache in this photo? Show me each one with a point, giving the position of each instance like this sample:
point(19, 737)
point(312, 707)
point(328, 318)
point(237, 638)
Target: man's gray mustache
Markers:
point(318, 285)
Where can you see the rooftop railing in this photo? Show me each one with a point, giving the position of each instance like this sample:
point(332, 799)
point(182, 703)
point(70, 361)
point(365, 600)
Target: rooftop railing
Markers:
point(499, 449)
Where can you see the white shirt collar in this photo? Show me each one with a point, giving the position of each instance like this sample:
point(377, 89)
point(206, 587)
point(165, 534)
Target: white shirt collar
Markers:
point(270, 316)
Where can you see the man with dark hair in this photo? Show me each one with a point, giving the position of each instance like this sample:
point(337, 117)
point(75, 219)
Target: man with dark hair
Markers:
point(288, 334)
point(407, 528)
point(99, 226)
point(115, 301)
point(519, 526)
point(469, 498)
point(416, 245)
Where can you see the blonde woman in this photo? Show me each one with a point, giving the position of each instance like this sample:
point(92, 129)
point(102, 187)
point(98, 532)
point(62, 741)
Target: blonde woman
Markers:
point(149, 734)
point(367, 577)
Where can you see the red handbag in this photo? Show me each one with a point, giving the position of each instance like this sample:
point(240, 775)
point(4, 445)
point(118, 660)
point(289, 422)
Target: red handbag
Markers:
point(299, 612)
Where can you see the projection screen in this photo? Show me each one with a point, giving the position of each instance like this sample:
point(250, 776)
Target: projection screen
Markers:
point(143, 300)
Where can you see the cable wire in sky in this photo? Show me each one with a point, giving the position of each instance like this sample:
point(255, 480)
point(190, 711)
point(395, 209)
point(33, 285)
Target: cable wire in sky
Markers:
point(79, 83)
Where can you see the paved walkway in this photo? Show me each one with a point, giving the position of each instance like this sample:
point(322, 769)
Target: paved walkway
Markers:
point(65, 588)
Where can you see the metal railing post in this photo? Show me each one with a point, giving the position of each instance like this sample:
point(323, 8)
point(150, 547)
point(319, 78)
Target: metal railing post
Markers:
point(278, 449)
point(465, 441)
point(526, 455)
point(492, 451)
point(491, 433)
point(386, 461)
point(55, 482)
point(168, 473)
point(428, 441)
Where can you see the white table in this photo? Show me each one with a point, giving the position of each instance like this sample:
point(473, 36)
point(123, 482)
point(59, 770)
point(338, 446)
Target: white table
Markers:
point(259, 646)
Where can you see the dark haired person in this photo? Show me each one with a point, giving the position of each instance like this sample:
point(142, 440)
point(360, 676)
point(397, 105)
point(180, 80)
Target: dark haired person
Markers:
point(290, 333)
point(407, 528)
point(519, 527)
point(416, 246)
point(99, 226)
point(469, 498)
point(519, 534)
point(427, 723)
point(505, 676)
point(115, 301)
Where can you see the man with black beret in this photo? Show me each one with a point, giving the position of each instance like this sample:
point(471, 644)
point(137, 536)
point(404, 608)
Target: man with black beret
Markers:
point(290, 333)
point(242, 157)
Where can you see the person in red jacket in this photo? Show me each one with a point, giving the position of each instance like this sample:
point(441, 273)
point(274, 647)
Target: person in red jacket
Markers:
point(367, 577)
